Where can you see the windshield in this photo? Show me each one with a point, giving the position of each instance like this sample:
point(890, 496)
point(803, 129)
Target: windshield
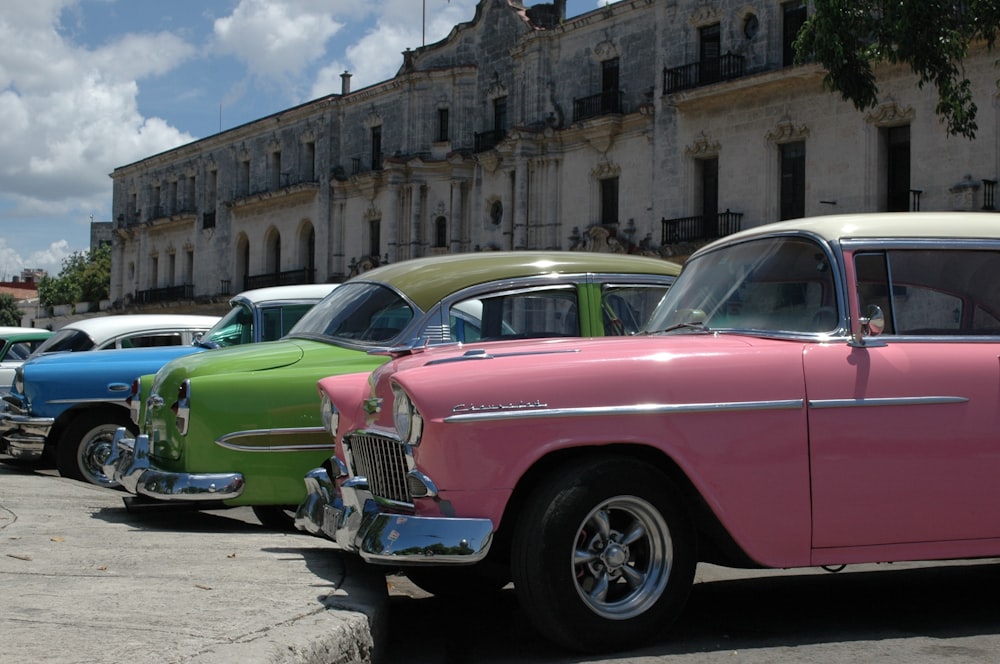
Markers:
point(357, 312)
point(235, 328)
point(65, 340)
point(779, 284)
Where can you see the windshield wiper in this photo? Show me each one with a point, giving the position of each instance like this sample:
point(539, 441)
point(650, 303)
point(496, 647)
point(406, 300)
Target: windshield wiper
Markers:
point(698, 325)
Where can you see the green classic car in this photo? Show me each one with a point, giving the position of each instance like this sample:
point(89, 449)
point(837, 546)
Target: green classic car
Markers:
point(241, 426)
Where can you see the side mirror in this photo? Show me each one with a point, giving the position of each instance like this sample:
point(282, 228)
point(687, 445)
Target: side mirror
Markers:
point(872, 324)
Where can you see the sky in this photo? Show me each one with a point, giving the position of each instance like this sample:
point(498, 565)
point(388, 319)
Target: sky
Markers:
point(90, 85)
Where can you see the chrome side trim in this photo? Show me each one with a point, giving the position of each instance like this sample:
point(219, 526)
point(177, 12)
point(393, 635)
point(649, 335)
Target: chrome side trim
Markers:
point(884, 401)
point(226, 440)
point(638, 409)
point(97, 400)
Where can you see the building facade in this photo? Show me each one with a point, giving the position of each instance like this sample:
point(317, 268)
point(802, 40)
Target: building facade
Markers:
point(643, 126)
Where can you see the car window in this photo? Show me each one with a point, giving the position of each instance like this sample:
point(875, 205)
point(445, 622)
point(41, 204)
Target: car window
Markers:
point(551, 312)
point(65, 340)
point(782, 284)
point(626, 308)
point(21, 350)
point(147, 340)
point(360, 311)
point(932, 291)
point(235, 328)
point(279, 320)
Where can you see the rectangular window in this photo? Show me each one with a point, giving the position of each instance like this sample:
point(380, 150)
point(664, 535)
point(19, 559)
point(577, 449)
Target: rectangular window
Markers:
point(171, 269)
point(793, 179)
point(276, 182)
point(794, 15)
point(442, 133)
point(375, 238)
point(500, 116)
point(189, 269)
point(244, 182)
point(709, 181)
point(172, 199)
point(309, 161)
point(710, 48)
point(609, 201)
point(376, 156)
point(897, 175)
point(610, 83)
point(191, 200)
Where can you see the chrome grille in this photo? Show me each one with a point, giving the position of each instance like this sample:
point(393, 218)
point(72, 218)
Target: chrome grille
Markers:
point(382, 461)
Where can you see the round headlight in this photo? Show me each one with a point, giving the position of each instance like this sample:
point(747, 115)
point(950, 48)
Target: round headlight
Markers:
point(19, 381)
point(405, 417)
point(329, 415)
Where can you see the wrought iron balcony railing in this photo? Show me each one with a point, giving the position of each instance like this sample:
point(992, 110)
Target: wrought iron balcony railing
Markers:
point(603, 103)
point(701, 227)
point(487, 140)
point(286, 278)
point(705, 72)
point(166, 294)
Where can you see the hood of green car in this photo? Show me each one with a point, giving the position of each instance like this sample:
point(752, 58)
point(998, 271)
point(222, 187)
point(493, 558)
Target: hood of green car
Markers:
point(241, 359)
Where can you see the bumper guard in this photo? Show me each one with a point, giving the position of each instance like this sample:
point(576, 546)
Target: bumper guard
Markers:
point(353, 519)
point(129, 464)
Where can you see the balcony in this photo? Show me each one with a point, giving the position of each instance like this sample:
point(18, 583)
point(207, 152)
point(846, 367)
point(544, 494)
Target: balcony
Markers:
point(487, 140)
point(701, 227)
point(286, 278)
point(603, 103)
point(167, 294)
point(706, 72)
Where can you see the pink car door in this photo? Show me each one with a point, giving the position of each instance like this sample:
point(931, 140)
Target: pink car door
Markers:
point(905, 431)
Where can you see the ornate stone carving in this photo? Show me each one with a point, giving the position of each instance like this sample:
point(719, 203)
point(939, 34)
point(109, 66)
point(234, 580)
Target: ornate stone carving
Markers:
point(889, 114)
point(703, 147)
point(786, 132)
point(605, 169)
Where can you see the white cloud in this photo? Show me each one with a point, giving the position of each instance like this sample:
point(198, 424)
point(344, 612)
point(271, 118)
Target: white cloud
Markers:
point(49, 259)
point(277, 38)
point(70, 113)
point(398, 25)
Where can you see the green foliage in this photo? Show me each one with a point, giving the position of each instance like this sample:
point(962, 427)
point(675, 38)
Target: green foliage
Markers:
point(933, 37)
point(85, 277)
point(10, 315)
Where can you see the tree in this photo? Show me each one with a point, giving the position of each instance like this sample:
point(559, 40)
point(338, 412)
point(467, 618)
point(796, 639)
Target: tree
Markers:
point(933, 37)
point(85, 277)
point(10, 315)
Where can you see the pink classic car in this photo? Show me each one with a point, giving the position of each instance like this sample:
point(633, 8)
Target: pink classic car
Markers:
point(812, 393)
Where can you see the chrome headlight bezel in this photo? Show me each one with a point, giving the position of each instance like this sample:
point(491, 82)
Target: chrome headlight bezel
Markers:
point(408, 422)
point(329, 414)
point(19, 381)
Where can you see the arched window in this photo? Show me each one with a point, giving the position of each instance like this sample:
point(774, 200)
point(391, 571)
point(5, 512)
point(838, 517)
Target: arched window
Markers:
point(272, 251)
point(242, 262)
point(307, 250)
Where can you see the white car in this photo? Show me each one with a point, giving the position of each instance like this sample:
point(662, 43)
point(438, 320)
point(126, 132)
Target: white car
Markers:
point(127, 331)
point(16, 344)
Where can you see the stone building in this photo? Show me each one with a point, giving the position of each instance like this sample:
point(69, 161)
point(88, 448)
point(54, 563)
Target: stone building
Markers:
point(643, 126)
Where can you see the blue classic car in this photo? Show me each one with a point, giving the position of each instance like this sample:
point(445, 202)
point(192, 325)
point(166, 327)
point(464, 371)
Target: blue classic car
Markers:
point(67, 406)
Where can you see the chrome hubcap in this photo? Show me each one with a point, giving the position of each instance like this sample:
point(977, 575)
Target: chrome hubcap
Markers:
point(622, 557)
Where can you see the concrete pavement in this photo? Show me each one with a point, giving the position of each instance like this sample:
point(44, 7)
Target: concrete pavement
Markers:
point(84, 580)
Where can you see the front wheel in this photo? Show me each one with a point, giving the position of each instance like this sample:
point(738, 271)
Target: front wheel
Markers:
point(603, 555)
point(86, 444)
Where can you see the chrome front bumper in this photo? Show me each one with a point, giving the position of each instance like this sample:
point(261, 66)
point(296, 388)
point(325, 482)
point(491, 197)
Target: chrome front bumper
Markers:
point(129, 465)
point(352, 518)
point(24, 436)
